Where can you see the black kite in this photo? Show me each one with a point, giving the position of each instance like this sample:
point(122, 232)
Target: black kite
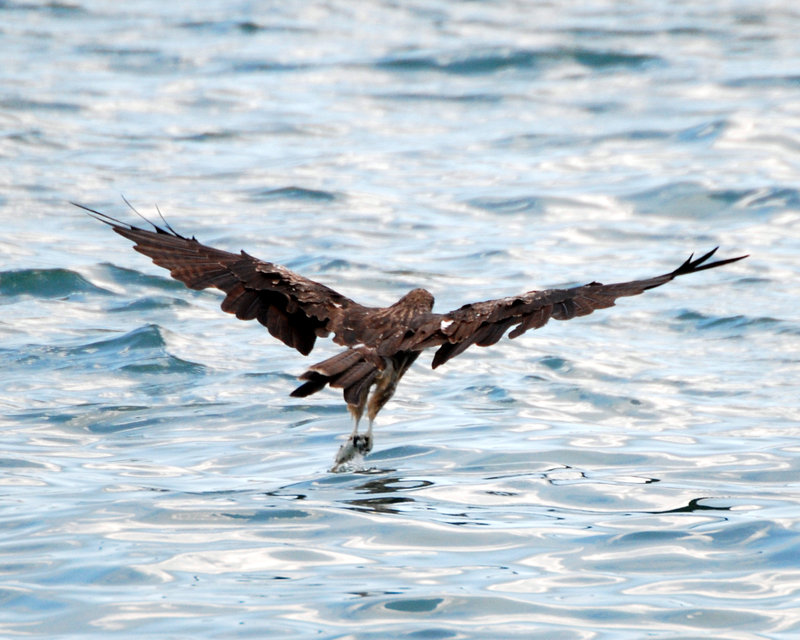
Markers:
point(381, 342)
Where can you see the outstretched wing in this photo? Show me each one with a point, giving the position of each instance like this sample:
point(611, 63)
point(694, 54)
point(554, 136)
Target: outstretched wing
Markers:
point(484, 323)
point(294, 309)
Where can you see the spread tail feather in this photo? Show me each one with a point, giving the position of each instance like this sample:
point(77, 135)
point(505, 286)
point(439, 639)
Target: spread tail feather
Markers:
point(348, 370)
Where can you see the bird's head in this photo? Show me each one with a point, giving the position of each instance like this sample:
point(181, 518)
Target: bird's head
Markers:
point(418, 300)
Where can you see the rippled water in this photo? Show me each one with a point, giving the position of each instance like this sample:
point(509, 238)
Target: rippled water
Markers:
point(631, 474)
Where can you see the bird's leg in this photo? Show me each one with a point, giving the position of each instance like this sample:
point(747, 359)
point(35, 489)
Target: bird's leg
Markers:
point(366, 440)
point(355, 442)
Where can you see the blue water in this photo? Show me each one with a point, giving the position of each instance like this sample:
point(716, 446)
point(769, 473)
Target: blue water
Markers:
point(633, 474)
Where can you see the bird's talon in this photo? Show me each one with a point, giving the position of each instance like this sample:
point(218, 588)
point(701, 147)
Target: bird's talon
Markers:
point(362, 443)
point(355, 445)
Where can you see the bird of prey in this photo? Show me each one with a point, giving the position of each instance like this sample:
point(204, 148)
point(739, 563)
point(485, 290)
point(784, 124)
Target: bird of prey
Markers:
point(380, 343)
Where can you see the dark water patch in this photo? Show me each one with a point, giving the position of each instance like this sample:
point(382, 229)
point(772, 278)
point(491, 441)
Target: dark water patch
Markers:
point(111, 419)
point(702, 132)
point(27, 104)
point(415, 605)
point(321, 264)
point(54, 9)
point(434, 633)
point(166, 363)
point(150, 303)
point(269, 515)
point(493, 60)
point(134, 421)
point(128, 278)
point(559, 140)
point(264, 66)
point(247, 27)
point(479, 256)
point(209, 515)
point(17, 463)
point(482, 394)
point(599, 59)
point(531, 204)
point(770, 199)
point(643, 32)
point(742, 534)
point(270, 377)
point(522, 204)
point(209, 136)
point(33, 137)
point(603, 107)
point(62, 9)
point(291, 193)
point(46, 283)
point(401, 452)
point(736, 324)
point(222, 26)
point(531, 141)
point(117, 51)
point(155, 63)
point(636, 135)
point(469, 98)
point(594, 33)
point(337, 264)
point(25, 602)
point(791, 81)
point(487, 62)
point(648, 538)
point(138, 60)
point(714, 619)
point(95, 418)
point(556, 364)
point(693, 200)
point(98, 575)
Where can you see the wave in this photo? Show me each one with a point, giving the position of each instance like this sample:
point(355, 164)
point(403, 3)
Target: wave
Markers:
point(518, 204)
point(46, 283)
point(767, 81)
point(143, 350)
point(492, 60)
point(150, 303)
point(127, 278)
point(700, 321)
point(292, 193)
point(693, 200)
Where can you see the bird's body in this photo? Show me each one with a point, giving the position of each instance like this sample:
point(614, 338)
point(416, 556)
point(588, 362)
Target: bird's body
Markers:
point(381, 343)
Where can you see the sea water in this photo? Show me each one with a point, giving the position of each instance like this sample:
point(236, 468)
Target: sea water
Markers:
point(631, 474)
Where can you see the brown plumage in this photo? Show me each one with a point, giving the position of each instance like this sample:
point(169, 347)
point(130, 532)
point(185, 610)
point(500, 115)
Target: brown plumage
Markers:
point(381, 342)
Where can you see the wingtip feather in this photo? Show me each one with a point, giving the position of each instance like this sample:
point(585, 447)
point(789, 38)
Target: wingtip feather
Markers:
point(692, 265)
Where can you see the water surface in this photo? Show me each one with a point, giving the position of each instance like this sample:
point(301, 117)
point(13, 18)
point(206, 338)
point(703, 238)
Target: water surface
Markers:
point(626, 475)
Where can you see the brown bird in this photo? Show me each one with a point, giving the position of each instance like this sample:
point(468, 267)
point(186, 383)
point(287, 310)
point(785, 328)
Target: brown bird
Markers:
point(380, 343)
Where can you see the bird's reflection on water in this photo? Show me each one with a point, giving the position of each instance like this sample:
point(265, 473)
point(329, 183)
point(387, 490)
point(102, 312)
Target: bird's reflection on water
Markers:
point(693, 506)
point(379, 487)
